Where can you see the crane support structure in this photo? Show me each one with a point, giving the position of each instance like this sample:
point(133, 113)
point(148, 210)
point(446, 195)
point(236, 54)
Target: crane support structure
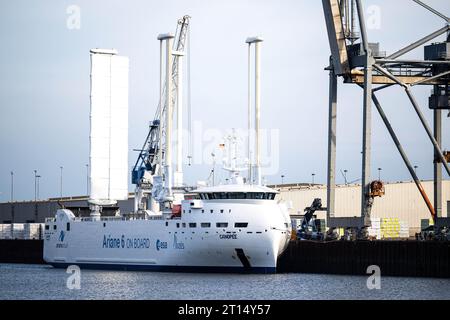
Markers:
point(362, 63)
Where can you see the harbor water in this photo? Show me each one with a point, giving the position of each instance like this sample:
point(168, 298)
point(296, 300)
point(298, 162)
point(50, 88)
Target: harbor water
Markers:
point(22, 281)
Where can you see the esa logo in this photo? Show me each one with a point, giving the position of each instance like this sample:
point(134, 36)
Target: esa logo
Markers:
point(161, 245)
point(176, 244)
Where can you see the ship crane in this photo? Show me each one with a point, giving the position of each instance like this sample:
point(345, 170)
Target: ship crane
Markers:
point(148, 173)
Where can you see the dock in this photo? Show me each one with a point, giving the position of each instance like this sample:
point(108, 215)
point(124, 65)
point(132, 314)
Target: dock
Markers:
point(406, 258)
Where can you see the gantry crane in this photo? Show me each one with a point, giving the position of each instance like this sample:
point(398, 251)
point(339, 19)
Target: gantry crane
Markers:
point(365, 65)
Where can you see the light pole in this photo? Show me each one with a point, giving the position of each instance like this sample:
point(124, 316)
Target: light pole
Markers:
point(38, 176)
point(282, 179)
point(61, 182)
point(87, 179)
point(415, 169)
point(313, 174)
point(379, 174)
point(213, 171)
point(345, 176)
point(35, 185)
point(12, 186)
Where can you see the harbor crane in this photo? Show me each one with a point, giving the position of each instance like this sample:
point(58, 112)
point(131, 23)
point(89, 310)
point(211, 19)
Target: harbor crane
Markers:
point(152, 180)
point(360, 62)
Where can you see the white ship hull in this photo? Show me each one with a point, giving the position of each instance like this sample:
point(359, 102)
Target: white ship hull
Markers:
point(175, 244)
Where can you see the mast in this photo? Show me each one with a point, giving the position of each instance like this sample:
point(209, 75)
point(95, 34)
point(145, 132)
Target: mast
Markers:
point(179, 95)
point(169, 120)
point(249, 148)
point(257, 42)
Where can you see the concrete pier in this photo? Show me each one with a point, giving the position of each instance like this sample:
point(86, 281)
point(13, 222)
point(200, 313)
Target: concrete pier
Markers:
point(395, 258)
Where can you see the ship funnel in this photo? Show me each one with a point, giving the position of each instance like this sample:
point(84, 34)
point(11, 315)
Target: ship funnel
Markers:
point(108, 157)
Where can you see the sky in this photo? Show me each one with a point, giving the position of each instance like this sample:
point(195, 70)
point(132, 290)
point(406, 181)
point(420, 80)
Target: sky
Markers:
point(44, 85)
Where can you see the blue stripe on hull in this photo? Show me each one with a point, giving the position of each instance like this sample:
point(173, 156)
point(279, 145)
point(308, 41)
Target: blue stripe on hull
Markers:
point(158, 268)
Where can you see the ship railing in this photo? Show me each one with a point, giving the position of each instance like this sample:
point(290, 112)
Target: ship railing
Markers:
point(51, 219)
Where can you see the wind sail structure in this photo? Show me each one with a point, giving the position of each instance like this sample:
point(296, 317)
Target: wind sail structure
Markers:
point(108, 127)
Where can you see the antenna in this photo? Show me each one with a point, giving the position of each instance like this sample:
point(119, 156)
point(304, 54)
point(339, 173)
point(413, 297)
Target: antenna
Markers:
point(231, 163)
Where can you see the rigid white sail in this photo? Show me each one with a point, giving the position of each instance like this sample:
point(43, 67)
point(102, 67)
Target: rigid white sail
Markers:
point(109, 127)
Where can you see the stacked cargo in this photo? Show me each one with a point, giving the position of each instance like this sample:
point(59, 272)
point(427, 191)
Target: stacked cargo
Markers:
point(375, 228)
point(390, 228)
point(33, 231)
point(404, 230)
point(393, 228)
point(5, 231)
point(18, 230)
point(26, 231)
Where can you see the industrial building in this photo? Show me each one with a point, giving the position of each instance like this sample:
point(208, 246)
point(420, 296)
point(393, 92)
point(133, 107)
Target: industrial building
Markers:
point(401, 201)
point(37, 211)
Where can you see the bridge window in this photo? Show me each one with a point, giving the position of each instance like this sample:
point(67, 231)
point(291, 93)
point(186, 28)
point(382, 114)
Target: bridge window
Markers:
point(241, 224)
point(205, 225)
point(221, 225)
point(68, 226)
point(192, 225)
point(238, 195)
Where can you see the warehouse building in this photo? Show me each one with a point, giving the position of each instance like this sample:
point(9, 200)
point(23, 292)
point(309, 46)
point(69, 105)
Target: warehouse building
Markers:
point(37, 211)
point(401, 200)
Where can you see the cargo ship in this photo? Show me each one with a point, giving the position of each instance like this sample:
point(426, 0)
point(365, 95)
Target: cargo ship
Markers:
point(224, 228)
point(237, 226)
